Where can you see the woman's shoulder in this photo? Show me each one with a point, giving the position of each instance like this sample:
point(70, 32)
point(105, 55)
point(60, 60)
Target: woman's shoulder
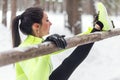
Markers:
point(31, 40)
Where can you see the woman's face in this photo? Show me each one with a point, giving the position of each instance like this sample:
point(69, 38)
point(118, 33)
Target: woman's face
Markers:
point(45, 27)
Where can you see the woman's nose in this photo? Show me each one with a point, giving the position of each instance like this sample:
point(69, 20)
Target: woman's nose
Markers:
point(50, 23)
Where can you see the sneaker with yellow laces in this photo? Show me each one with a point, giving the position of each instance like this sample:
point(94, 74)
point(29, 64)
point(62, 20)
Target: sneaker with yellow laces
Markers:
point(103, 17)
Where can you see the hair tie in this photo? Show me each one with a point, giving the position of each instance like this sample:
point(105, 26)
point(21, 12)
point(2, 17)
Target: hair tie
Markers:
point(19, 19)
point(19, 16)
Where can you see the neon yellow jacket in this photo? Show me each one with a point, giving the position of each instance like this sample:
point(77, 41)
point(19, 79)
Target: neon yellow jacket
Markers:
point(33, 69)
point(38, 68)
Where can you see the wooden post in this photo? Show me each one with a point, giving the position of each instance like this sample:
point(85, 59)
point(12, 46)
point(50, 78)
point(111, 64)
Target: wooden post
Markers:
point(20, 54)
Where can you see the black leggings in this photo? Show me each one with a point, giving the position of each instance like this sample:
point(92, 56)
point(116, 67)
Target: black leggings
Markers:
point(64, 71)
point(67, 67)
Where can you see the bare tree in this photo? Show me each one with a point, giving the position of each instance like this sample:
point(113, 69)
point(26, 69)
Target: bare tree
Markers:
point(54, 2)
point(13, 9)
point(37, 3)
point(42, 3)
point(74, 15)
point(4, 12)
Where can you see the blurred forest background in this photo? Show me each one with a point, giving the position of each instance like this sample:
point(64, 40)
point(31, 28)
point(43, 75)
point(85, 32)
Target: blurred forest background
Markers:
point(72, 9)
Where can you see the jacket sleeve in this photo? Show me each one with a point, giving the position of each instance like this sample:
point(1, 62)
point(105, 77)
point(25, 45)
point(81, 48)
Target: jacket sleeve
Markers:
point(89, 30)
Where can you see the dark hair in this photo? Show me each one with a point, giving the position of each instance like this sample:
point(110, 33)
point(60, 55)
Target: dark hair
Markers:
point(24, 22)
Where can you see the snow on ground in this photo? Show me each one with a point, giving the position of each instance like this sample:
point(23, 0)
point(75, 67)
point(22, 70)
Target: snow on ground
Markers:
point(6, 72)
point(102, 63)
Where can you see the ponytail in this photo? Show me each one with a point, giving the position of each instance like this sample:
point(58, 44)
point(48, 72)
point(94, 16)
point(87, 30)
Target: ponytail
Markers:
point(27, 19)
point(15, 32)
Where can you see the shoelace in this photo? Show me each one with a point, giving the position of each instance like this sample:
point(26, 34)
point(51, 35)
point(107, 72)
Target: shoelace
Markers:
point(112, 23)
point(96, 19)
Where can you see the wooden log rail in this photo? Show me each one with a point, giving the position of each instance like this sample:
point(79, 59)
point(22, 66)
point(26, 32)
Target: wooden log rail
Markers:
point(19, 54)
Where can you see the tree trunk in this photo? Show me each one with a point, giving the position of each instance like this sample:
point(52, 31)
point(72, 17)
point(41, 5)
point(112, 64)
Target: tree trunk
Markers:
point(13, 9)
point(37, 3)
point(54, 6)
point(47, 5)
point(72, 8)
point(4, 12)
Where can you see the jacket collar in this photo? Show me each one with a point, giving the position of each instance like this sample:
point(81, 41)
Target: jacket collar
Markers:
point(31, 40)
point(34, 40)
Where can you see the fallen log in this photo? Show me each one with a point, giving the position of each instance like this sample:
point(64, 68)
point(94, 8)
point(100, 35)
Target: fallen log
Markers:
point(20, 54)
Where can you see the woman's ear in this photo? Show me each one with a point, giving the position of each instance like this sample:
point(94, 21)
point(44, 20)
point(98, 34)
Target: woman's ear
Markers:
point(35, 26)
point(36, 29)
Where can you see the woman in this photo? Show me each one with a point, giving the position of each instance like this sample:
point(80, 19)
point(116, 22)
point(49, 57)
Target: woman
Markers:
point(35, 24)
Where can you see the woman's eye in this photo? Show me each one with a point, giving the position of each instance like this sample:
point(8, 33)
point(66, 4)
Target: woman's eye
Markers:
point(47, 20)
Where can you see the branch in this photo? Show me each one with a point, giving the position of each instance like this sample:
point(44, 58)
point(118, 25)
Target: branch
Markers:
point(20, 54)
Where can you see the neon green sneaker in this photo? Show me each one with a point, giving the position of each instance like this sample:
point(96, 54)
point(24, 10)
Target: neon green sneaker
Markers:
point(103, 17)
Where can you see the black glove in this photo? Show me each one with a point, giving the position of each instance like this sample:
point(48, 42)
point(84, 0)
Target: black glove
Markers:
point(58, 40)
